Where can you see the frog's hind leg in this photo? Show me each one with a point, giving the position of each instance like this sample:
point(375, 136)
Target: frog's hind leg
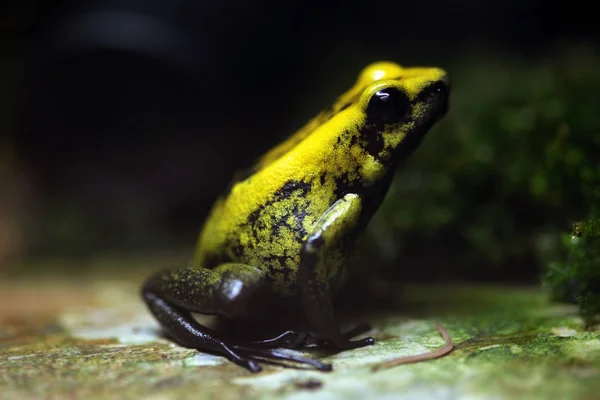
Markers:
point(231, 290)
point(186, 331)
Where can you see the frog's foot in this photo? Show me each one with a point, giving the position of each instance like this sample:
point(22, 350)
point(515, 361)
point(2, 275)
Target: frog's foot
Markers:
point(229, 290)
point(276, 355)
point(189, 333)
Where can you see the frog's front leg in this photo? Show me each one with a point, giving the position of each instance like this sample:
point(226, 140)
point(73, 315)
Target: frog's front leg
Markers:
point(335, 225)
point(230, 290)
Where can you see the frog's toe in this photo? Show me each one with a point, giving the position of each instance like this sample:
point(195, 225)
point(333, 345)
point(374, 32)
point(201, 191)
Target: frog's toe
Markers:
point(345, 342)
point(250, 365)
point(357, 330)
point(353, 344)
point(274, 355)
point(368, 341)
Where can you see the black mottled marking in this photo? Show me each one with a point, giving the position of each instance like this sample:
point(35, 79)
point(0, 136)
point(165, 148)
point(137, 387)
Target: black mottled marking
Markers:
point(407, 146)
point(277, 263)
point(281, 261)
point(323, 176)
point(292, 186)
point(299, 216)
point(341, 185)
point(342, 139)
point(239, 250)
point(374, 140)
point(344, 185)
point(285, 192)
point(353, 139)
point(253, 216)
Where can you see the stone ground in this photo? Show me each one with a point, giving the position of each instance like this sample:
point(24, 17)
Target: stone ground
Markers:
point(90, 337)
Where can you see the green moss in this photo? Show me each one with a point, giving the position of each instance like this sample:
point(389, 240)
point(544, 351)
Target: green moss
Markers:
point(576, 277)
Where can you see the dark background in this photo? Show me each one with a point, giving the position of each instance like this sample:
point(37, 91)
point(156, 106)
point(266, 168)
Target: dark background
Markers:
point(124, 120)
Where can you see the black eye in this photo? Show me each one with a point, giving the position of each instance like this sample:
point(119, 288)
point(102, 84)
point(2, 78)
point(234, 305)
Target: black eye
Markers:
point(387, 106)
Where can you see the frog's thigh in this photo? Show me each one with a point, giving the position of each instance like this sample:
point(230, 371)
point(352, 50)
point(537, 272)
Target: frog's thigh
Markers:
point(242, 290)
point(313, 277)
point(231, 290)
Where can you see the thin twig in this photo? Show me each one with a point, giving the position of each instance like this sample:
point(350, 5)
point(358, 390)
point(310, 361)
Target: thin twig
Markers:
point(448, 346)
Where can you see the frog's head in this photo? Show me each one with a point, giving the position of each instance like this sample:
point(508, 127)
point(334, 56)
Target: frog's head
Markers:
point(378, 122)
point(399, 105)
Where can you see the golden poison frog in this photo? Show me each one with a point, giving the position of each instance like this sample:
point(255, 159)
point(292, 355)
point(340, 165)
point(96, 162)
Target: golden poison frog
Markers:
point(278, 242)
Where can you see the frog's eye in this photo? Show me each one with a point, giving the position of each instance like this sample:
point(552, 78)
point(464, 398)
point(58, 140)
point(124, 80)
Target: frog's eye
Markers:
point(387, 106)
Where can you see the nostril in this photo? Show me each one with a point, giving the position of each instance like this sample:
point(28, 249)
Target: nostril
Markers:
point(440, 88)
point(440, 92)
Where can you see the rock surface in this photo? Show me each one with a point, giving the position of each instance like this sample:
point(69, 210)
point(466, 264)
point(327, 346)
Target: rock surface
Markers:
point(91, 337)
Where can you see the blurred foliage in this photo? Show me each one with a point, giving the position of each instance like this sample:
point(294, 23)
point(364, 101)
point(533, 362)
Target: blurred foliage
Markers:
point(576, 277)
point(501, 178)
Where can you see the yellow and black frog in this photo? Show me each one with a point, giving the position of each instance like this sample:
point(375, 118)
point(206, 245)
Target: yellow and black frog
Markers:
point(280, 238)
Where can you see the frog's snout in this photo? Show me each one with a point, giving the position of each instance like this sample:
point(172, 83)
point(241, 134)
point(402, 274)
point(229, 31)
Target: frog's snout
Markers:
point(439, 96)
